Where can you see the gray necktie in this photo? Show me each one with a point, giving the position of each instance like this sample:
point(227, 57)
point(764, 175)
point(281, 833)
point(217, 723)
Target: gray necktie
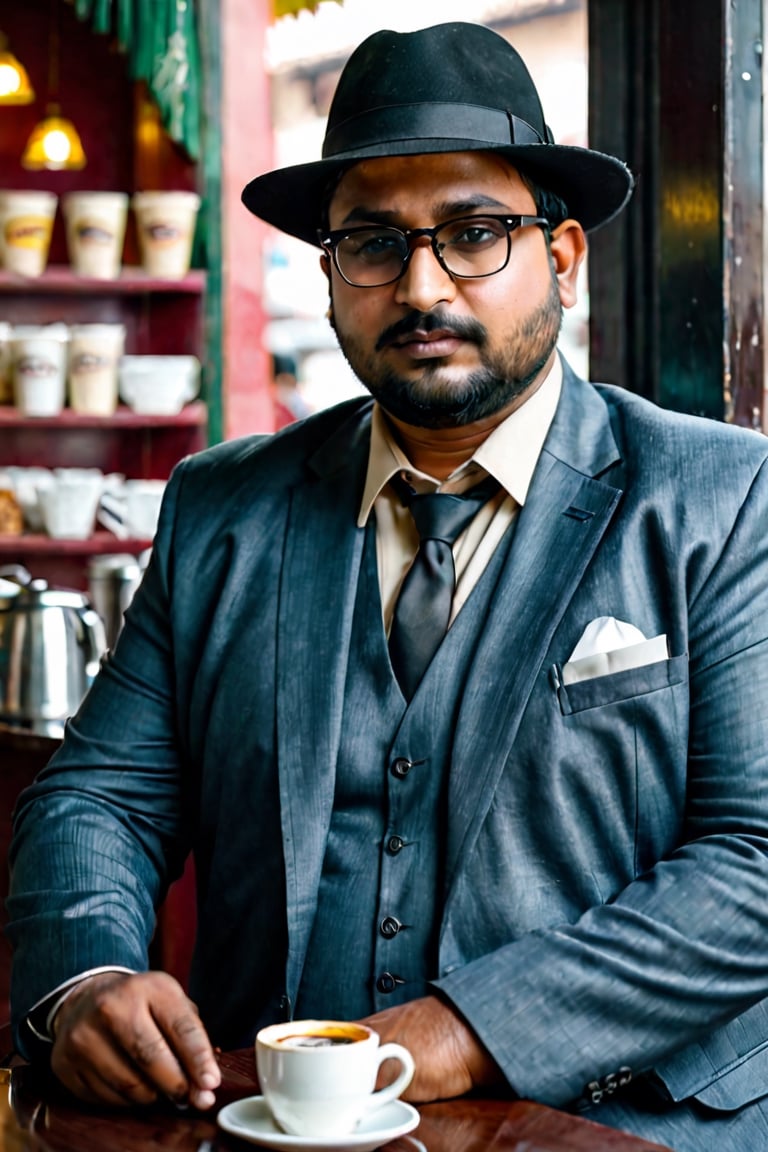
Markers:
point(423, 607)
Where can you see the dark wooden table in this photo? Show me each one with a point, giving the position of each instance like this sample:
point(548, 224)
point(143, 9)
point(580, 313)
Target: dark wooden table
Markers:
point(35, 1116)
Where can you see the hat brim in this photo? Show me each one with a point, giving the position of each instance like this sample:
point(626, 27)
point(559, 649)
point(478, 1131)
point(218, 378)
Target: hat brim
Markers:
point(594, 186)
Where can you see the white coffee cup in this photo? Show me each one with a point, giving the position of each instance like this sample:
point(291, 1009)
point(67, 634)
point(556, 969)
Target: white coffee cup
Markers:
point(165, 223)
point(158, 385)
point(95, 226)
point(27, 483)
point(39, 368)
point(26, 225)
point(318, 1076)
point(69, 502)
point(132, 510)
point(94, 355)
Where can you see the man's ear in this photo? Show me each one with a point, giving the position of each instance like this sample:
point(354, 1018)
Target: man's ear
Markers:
point(568, 247)
point(325, 265)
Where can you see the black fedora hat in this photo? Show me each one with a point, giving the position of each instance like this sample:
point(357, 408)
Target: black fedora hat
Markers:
point(451, 88)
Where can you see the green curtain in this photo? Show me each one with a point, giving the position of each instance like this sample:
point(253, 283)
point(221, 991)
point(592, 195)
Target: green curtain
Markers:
point(160, 40)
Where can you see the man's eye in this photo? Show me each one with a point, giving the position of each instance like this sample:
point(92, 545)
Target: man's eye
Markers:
point(476, 235)
point(376, 247)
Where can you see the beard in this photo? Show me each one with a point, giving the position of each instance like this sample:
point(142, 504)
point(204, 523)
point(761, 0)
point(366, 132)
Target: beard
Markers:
point(435, 398)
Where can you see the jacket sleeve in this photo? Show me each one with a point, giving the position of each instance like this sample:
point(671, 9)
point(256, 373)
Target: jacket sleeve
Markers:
point(100, 835)
point(670, 975)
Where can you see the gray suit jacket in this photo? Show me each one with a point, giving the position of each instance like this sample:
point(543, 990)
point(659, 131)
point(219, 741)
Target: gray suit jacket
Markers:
point(607, 858)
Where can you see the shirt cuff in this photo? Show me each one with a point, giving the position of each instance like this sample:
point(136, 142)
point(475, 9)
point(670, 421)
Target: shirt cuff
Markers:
point(41, 1015)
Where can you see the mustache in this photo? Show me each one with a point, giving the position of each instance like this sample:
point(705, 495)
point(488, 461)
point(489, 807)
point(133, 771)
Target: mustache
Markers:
point(464, 327)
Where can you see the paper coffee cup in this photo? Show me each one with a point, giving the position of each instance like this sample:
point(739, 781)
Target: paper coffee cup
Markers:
point(95, 226)
point(94, 355)
point(26, 224)
point(39, 363)
point(165, 223)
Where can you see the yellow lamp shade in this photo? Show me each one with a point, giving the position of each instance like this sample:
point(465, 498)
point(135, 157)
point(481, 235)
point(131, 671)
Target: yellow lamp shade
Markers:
point(293, 7)
point(15, 87)
point(54, 144)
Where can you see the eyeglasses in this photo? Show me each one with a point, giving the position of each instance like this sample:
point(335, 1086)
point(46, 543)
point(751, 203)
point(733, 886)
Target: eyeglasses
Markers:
point(468, 248)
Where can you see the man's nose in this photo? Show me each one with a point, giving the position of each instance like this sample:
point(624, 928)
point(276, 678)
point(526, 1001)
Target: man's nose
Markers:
point(425, 282)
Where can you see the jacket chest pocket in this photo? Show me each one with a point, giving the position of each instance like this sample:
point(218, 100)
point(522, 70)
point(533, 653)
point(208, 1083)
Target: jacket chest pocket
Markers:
point(618, 686)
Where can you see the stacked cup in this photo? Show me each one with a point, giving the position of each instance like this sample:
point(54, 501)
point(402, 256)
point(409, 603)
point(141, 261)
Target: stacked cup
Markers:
point(39, 368)
point(26, 224)
point(95, 225)
point(95, 351)
point(166, 229)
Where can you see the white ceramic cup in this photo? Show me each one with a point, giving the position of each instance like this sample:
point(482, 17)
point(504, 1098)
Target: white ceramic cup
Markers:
point(132, 510)
point(27, 483)
point(158, 385)
point(165, 223)
point(68, 503)
point(318, 1076)
point(26, 224)
point(95, 226)
point(39, 368)
point(94, 355)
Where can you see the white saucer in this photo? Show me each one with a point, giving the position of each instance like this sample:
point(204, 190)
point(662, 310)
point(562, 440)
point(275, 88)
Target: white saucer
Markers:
point(250, 1120)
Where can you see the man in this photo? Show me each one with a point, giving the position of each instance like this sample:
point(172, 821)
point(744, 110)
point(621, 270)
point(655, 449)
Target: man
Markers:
point(534, 851)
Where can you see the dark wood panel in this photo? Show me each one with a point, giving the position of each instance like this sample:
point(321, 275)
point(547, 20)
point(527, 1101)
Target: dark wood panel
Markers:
point(677, 286)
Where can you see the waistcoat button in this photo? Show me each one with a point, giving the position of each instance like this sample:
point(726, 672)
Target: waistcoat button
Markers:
point(387, 982)
point(394, 844)
point(390, 926)
point(401, 767)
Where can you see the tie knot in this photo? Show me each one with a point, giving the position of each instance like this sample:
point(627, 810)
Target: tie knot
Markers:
point(443, 515)
point(440, 516)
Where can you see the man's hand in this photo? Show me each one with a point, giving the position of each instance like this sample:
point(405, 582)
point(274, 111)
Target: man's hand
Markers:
point(129, 1039)
point(449, 1058)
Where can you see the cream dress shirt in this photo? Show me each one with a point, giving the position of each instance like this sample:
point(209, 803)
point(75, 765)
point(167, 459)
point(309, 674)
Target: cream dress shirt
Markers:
point(510, 455)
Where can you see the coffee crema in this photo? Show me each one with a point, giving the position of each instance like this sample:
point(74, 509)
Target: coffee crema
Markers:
point(323, 1038)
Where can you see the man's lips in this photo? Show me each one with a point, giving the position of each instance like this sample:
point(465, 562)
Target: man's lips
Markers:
point(428, 345)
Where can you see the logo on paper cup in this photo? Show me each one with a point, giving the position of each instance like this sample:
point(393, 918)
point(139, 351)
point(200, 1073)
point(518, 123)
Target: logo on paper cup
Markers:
point(28, 232)
point(87, 362)
point(164, 233)
point(93, 232)
point(36, 366)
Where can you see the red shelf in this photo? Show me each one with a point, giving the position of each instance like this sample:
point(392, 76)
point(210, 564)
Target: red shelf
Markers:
point(60, 278)
point(192, 415)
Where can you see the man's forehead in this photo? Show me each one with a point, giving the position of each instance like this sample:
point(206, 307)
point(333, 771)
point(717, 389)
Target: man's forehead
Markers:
point(432, 178)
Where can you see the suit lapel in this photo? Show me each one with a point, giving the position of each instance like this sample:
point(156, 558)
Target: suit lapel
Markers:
point(323, 551)
point(565, 515)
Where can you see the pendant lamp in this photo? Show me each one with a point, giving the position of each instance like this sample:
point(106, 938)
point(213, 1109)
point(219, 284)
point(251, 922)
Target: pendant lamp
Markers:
point(15, 87)
point(54, 142)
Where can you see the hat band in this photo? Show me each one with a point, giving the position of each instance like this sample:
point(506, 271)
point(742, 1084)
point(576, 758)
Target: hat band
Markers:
point(433, 121)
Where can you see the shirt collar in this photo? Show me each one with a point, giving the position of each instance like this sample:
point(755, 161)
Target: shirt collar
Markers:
point(510, 453)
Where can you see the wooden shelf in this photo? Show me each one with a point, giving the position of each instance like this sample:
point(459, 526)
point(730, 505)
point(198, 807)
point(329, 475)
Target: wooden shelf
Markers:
point(38, 544)
point(192, 415)
point(60, 278)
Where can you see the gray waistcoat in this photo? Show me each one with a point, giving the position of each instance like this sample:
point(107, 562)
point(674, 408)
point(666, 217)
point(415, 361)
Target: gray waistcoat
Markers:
point(374, 939)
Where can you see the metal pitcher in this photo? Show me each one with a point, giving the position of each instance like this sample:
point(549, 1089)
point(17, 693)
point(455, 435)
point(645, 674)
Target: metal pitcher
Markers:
point(112, 582)
point(51, 642)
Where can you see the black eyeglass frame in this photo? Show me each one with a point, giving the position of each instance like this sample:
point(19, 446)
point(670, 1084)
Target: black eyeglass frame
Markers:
point(329, 242)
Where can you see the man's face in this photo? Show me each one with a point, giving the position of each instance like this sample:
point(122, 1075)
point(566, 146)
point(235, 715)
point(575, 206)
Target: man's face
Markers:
point(438, 352)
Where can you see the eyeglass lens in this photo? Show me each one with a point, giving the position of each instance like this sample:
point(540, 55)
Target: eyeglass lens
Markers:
point(475, 246)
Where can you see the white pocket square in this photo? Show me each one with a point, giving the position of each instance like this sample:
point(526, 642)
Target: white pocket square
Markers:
point(610, 645)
